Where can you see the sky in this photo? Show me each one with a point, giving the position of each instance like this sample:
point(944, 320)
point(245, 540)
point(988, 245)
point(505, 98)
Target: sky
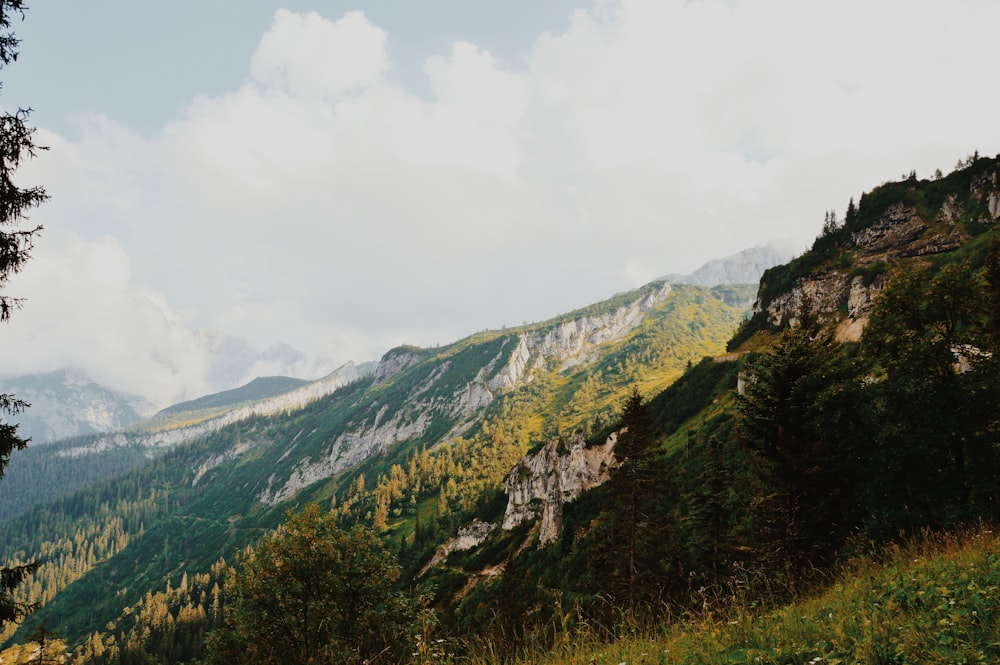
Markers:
point(346, 177)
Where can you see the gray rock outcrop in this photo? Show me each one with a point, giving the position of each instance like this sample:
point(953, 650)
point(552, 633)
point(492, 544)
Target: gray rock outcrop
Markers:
point(469, 536)
point(572, 342)
point(542, 483)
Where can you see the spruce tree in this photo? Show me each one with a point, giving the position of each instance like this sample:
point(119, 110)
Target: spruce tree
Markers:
point(631, 543)
point(992, 275)
point(801, 415)
point(16, 239)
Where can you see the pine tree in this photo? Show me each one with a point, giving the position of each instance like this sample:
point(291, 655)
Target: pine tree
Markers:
point(851, 214)
point(629, 544)
point(800, 416)
point(16, 144)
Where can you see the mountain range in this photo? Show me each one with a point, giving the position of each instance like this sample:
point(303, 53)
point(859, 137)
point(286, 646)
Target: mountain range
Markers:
point(225, 476)
point(67, 403)
point(516, 473)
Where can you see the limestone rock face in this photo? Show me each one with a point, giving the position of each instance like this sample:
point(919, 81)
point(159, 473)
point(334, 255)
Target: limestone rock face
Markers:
point(900, 233)
point(575, 342)
point(903, 231)
point(898, 228)
point(541, 483)
point(511, 373)
point(950, 210)
point(566, 344)
point(394, 362)
point(469, 536)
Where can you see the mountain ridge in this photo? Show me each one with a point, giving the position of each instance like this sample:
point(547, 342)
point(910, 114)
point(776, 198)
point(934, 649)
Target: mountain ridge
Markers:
point(475, 395)
point(261, 387)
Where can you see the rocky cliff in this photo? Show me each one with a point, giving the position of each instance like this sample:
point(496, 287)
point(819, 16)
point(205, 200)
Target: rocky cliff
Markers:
point(470, 536)
point(542, 483)
point(432, 389)
point(898, 222)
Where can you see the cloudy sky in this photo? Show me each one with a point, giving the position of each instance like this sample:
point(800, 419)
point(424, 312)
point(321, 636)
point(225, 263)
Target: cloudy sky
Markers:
point(346, 177)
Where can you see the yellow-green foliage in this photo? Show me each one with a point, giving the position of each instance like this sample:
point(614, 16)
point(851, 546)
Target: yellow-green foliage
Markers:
point(558, 402)
point(936, 600)
point(181, 420)
point(30, 653)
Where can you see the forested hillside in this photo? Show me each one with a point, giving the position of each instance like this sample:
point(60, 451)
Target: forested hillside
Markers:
point(43, 474)
point(596, 475)
point(487, 399)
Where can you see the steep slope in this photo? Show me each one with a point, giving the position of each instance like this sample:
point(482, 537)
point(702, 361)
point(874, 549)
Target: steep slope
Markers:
point(476, 405)
point(437, 397)
point(777, 459)
point(173, 427)
point(438, 446)
point(44, 473)
point(926, 222)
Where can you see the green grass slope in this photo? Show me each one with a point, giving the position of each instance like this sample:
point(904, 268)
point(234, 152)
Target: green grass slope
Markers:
point(932, 600)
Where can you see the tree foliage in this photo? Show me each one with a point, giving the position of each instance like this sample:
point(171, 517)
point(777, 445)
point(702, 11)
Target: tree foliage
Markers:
point(936, 392)
point(629, 558)
point(312, 593)
point(800, 415)
point(16, 144)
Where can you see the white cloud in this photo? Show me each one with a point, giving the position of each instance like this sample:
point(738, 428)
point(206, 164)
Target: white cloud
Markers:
point(309, 57)
point(84, 310)
point(323, 204)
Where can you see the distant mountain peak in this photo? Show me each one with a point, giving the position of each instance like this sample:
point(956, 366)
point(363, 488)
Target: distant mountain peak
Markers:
point(67, 402)
point(744, 267)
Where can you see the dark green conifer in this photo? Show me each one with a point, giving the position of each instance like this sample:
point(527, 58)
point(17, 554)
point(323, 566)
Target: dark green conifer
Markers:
point(16, 144)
